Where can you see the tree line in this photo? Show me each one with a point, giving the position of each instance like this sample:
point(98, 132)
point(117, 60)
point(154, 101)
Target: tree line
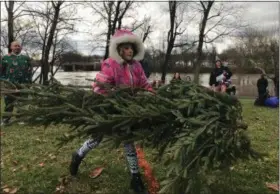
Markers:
point(44, 29)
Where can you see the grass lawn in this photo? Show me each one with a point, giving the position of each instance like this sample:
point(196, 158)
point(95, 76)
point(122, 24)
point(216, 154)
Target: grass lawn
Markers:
point(31, 163)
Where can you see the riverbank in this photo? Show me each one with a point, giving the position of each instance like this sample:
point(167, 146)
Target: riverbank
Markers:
point(181, 69)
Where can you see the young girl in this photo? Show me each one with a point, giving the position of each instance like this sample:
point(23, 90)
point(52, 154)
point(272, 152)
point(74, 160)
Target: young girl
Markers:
point(176, 76)
point(121, 68)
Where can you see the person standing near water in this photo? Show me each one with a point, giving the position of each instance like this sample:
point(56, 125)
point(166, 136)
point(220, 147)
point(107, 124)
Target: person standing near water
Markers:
point(220, 77)
point(176, 76)
point(262, 85)
point(15, 68)
point(145, 66)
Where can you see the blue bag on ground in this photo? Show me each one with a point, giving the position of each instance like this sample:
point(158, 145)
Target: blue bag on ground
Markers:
point(272, 102)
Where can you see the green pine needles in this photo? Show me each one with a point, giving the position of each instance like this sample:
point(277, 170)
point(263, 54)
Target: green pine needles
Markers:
point(195, 130)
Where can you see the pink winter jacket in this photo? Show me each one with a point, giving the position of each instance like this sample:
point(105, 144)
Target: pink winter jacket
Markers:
point(116, 75)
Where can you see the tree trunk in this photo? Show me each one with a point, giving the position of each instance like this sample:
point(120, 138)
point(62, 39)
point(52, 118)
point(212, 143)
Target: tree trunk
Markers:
point(165, 64)
point(107, 43)
point(201, 40)
point(43, 53)
point(116, 18)
point(10, 10)
point(121, 14)
point(198, 63)
point(109, 30)
point(53, 54)
point(50, 42)
point(171, 38)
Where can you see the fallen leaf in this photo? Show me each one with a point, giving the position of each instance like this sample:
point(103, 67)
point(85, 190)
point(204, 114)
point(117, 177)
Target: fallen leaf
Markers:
point(13, 191)
point(10, 190)
point(274, 187)
point(42, 164)
point(96, 172)
point(6, 190)
point(5, 186)
point(59, 189)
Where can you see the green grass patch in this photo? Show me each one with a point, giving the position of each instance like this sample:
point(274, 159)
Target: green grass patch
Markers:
point(31, 162)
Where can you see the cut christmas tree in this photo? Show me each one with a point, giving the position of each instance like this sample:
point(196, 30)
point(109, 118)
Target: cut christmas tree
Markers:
point(196, 131)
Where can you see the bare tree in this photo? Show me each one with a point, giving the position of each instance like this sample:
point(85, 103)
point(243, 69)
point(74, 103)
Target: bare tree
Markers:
point(10, 9)
point(112, 14)
point(173, 32)
point(260, 49)
point(144, 27)
point(24, 32)
point(13, 13)
point(53, 21)
point(59, 48)
point(4, 38)
point(217, 20)
point(45, 58)
point(206, 10)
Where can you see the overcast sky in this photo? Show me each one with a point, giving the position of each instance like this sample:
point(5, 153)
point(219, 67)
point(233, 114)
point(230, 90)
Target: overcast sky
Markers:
point(259, 14)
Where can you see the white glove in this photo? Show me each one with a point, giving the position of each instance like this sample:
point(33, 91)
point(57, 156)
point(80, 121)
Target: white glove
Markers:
point(220, 78)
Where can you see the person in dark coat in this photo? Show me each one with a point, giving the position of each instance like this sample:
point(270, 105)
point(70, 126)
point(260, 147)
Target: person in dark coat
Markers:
point(220, 77)
point(176, 76)
point(262, 85)
point(15, 68)
point(145, 67)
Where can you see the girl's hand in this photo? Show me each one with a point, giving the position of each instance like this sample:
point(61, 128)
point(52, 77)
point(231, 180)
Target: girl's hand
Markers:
point(152, 91)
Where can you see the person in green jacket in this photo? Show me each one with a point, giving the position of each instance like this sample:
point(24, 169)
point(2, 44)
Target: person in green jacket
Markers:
point(15, 68)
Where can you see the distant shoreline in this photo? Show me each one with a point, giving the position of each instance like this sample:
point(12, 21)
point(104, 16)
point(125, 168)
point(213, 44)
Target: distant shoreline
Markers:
point(190, 71)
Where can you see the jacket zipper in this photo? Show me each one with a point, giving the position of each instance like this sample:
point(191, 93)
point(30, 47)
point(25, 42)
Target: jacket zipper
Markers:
point(130, 74)
point(131, 77)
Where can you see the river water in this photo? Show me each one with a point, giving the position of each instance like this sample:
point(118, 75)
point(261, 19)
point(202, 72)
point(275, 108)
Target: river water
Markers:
point(245, 83)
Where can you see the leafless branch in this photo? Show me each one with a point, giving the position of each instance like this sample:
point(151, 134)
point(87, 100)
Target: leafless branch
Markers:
point(213, 16)
point(19, 6)
point(224, 33)
point(99, 11)
point(186, 44)
point(6, 5)
point(202, 4)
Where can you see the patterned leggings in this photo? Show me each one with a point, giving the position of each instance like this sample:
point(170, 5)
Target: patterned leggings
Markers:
point(129, 149)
